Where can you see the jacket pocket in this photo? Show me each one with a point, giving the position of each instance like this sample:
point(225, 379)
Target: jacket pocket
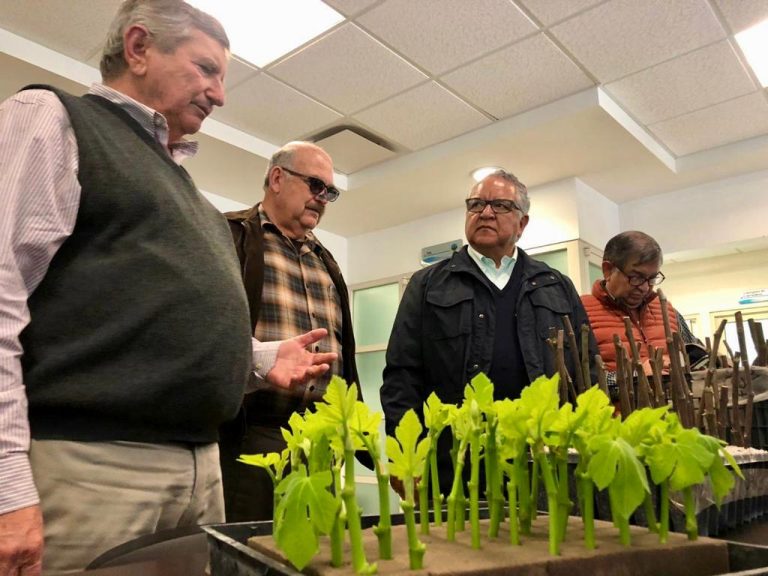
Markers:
point(448, 314)
point(549, 306)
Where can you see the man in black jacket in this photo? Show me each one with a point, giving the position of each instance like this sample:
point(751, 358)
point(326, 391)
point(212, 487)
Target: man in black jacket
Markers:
point(489, 308)
point(293, 285)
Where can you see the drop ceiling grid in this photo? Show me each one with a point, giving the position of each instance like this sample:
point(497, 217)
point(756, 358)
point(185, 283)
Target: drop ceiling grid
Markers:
point(272, 111)
point(696, 80)
point(348, 70)
point(525, 75)
point(737, 119)
point(422, 116)
point(621, 37)
point(76, 29)
point(550, 12)
point(459, 31)
point(350, 8)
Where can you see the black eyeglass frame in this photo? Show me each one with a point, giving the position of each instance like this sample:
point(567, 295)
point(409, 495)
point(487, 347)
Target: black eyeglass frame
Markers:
point(637, 280)
point(498, 205)
point(316, 186)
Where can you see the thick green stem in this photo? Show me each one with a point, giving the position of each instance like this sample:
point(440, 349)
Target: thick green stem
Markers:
point(353, 515)
point(588, 510)
point(691, 525)
point(520, 471)
point(618, 520)
point(650, 513)
point(664, 512)
point(383, 529)
point(416, 548)
point(563, 496)
point(424, 499)
point(337, 532)
point(534, 501)
point(453, 497)
point(514, 532)
point(437, 497)
point(493, 475)
point(551, 488)
point(474, 487)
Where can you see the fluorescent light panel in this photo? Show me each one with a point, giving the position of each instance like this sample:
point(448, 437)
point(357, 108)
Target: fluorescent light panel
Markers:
point(754, 43)
point(262, 31)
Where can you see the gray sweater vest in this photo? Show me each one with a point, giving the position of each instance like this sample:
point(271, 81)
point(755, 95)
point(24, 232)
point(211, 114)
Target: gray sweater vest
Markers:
point(139, 330)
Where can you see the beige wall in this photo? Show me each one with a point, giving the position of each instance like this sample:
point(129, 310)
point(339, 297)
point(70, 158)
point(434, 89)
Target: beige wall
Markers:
point(716, 283)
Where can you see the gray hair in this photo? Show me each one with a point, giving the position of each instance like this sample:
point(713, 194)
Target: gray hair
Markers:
point(169, 23)
point(632, 245)
point(520, 188)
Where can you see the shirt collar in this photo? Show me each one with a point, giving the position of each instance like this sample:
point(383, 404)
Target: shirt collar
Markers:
point(309, 239)
point(485, 262)
point(152, 121)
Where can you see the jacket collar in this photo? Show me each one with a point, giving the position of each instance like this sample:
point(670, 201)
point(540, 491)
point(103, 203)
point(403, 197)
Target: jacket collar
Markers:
point(601, 293)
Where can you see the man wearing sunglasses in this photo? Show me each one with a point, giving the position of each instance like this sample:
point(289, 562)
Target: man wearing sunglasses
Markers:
point(292, 282)
point(631, 270)
point(489, 308)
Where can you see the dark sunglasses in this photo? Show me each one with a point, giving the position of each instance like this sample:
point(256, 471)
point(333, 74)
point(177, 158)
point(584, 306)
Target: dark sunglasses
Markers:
point(316, 186)
point(499, 206)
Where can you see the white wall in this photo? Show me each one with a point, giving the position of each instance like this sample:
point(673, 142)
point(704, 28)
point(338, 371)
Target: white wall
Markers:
point(714, 284)
point(598, 216)
point(703, 217)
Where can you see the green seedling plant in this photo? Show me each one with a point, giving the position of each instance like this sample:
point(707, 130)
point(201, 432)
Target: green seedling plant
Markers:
point(540, 401)
point(594, 411)
point(461, 426)
point(274, 464)
point(407, 454)
point(436, 418)
point(614, 465)
point(338, 410)
point(365, 426)
point(513, 451)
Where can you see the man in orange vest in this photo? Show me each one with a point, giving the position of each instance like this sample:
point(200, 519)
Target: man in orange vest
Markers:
point(631, 270)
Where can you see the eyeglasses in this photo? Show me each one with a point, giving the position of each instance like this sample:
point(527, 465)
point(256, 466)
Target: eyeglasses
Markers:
point(316, 186)
point(499, 206)
point(637, 280)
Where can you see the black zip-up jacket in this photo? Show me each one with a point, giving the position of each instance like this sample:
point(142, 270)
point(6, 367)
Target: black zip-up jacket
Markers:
point(444, 330)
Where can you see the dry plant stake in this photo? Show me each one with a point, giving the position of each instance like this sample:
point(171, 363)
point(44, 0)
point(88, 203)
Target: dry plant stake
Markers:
point(736, 432)
point(625, 403)
point(643, 388)
point(580, 382)
point(602, 377)
point(747, 379)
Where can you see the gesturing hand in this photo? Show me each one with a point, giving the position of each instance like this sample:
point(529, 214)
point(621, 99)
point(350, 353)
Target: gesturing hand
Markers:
point(296, 365)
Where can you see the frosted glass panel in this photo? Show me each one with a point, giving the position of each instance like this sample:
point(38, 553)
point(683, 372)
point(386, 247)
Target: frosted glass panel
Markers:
point(375, 310)
point(369, 367)
point(595, 273)
point(557, 259)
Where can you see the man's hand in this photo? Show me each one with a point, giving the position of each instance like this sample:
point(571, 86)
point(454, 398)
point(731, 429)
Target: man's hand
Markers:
point(296, 365)
point(21, 542)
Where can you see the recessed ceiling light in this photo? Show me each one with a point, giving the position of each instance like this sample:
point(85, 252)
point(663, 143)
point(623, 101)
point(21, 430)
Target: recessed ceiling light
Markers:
point(480, 173)
point(262, 31)
point(754, 43)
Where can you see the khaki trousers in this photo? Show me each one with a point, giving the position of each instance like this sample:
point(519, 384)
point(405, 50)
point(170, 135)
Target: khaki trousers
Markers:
point(98, 495)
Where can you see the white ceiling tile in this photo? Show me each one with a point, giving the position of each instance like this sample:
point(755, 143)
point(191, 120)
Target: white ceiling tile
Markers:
point(625, 36)
point(442, 34)
point(696, 80)
point(551, 11)
point(723, 123)
point(743, 14)
point(237, 72)
point(272, 111)
point(350, 7)
point(423, 116)
point(347, 70)
point(523, 76)
point(352, 152)
point(76, 28)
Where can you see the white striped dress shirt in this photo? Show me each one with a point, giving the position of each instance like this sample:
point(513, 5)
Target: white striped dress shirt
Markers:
point(39, 200)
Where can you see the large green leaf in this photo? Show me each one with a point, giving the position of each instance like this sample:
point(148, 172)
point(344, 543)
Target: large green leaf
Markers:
point(305, 509)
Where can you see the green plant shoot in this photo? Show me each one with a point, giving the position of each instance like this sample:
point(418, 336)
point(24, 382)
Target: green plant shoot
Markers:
point(407, 455)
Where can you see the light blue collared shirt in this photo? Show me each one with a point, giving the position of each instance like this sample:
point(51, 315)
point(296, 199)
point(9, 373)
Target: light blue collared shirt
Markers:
point(499, 276)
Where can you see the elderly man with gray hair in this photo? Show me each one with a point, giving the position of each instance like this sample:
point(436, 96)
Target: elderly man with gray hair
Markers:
point(489, 308)
point(124, 336)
